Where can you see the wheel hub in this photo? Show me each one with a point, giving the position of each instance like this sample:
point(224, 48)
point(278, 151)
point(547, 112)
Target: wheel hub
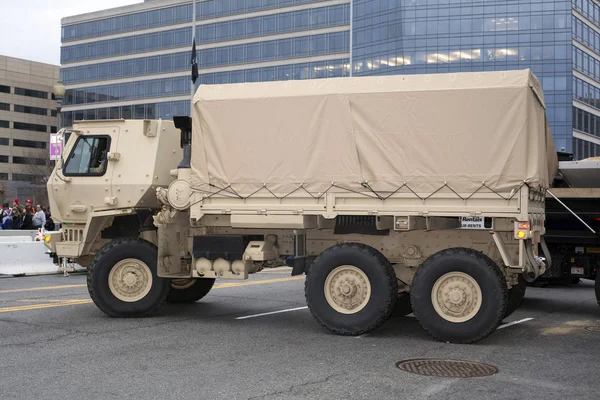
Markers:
point(456, 297)
point(130, 280)
point(347, 289)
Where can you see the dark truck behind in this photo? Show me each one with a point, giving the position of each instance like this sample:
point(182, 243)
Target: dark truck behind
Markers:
point(574, 244)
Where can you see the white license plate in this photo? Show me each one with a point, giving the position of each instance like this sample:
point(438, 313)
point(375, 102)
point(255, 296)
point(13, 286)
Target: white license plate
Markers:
point(576, 270)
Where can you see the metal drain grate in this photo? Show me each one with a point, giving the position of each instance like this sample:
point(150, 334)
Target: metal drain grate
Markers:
point(593, 328)
point(447, 368)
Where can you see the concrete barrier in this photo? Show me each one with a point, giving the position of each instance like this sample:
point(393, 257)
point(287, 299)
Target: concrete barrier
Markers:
point(20, 254)
point(15, 239)
point(19, 233)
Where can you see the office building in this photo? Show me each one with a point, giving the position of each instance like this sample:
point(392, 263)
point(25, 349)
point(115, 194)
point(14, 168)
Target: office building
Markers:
point(27, 117)
point(134, 61)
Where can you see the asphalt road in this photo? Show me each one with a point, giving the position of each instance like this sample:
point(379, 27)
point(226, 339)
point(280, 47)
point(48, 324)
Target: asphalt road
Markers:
point(55, 344)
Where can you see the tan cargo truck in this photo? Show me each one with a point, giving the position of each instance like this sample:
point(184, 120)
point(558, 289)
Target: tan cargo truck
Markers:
point(360, 183)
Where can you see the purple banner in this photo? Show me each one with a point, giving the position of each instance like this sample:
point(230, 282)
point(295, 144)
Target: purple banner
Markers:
point(55, 146)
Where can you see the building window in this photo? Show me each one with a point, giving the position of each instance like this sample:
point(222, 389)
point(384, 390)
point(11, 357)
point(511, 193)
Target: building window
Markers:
point(32, 144)
point(4, 124)
point(29, 127)
point(25, 177)
point(28, 160)
point(4, 141)
point(4, 89)
point(3, 176)
point(89, 156)
point(4, 107)
point(4, 159)
point(31, 110)
point(31, 93)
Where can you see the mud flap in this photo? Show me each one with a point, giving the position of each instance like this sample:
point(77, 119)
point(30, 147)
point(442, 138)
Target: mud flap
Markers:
point(300, 265)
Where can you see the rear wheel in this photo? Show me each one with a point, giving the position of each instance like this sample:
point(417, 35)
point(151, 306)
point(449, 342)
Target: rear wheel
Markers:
point(351, 289)
point(516, 294)
point(459, 295)
point(189, 290)
point(122, 279)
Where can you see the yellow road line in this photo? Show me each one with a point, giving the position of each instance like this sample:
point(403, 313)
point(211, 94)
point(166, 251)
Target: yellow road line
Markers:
point(277, 269)
point(87, 301)
point(260, 282)
point(47, 305)
point(45, 300)
point(42, 288)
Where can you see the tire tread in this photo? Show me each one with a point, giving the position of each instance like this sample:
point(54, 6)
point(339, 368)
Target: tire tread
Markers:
point(391, 295)
point(106, 249)
point(491, 265)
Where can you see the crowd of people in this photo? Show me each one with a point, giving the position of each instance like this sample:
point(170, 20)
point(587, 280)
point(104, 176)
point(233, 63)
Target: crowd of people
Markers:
point(28, 217)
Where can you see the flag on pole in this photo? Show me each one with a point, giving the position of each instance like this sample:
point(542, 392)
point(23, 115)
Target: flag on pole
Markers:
point(194, 62)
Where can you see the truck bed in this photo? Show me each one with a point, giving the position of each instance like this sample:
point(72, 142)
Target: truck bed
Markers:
point(444, 203)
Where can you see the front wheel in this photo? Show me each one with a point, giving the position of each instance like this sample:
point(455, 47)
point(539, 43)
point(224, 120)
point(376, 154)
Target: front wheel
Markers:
point(459, 295)
point(122, 279)
point(351, 289)
point(189, 290)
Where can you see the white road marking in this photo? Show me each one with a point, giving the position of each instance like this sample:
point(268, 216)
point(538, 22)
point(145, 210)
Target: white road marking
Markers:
point(272, 312)
point(514, 323)
point(361, 336)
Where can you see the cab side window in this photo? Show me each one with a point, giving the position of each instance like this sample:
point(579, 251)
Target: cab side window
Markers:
point(88, 157)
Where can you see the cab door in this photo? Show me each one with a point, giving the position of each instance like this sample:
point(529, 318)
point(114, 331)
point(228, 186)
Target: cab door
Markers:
point(81, 182)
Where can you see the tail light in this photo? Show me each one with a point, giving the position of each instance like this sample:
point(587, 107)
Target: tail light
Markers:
point(523, 230)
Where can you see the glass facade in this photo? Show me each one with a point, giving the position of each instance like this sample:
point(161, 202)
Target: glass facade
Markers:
point(280, 49)
point(260, 40)
point(436, 36)
point(295, 21)
point(171, 15)
point(163, 110)
point(129, 91)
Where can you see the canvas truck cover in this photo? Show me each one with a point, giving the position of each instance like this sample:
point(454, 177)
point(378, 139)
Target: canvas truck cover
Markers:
point(373, 134)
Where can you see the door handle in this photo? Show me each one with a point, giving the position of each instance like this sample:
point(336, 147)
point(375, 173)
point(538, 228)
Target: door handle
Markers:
point(78, 208)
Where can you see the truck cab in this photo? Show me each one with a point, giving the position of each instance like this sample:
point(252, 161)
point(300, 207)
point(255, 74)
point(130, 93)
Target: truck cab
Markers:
point(106, 179)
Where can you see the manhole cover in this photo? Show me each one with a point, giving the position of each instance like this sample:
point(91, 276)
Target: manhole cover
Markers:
point(593, 328)
point(447, 368)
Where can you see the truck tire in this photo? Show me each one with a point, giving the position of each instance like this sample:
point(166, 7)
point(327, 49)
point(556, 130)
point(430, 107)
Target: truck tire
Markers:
point(351, 289)
point(597, 287)
point(403, 306)
point(189, 290)
point(516, 294)
point(122, 279)
point(459, 295)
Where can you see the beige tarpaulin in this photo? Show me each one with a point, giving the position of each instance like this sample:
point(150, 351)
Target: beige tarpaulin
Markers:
point(423, 130)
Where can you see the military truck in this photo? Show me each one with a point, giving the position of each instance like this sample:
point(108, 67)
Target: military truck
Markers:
point(359, 183)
